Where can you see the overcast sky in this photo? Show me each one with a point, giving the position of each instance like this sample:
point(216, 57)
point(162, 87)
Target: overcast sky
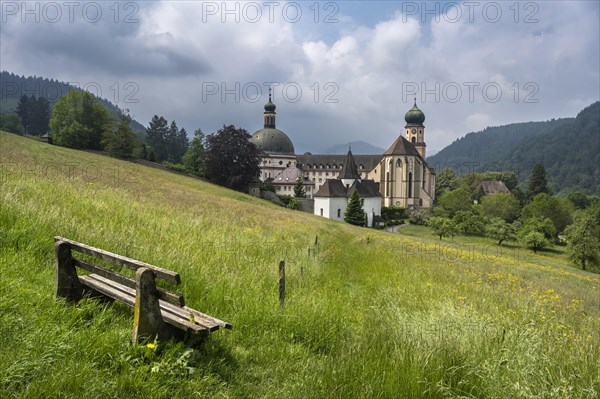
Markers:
point(343, 71)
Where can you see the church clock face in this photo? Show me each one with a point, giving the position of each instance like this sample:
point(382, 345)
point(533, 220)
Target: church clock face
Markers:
point(413, 131)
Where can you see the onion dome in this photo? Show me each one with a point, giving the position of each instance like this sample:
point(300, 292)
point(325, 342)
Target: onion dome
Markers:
point(414, 116)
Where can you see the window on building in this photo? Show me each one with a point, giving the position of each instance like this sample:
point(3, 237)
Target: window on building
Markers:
point(321, 211)
point(414, 139)
point(339, 213)
point(410, 178)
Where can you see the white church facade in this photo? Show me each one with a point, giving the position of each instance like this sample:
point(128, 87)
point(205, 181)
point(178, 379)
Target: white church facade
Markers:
point(398, 177)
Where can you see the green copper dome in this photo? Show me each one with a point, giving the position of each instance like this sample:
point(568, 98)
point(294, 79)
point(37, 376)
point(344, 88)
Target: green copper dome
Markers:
point(414, 116)
point(273, 141)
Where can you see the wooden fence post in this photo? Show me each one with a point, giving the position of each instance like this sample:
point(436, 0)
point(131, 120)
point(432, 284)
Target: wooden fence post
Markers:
point(281, 283)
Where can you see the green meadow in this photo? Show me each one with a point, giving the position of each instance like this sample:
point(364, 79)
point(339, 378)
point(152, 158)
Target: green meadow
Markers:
point(368, 314)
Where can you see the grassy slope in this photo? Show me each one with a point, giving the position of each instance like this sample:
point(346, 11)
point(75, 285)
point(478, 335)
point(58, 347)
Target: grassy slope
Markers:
point(373, 315)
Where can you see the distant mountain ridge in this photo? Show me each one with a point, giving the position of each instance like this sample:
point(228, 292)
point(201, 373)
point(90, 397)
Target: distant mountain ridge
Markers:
point(569, 149)
point(13, 86)
point(358, 147)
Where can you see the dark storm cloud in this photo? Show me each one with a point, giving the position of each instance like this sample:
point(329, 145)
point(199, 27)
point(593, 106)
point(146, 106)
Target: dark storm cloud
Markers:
point(105, 47)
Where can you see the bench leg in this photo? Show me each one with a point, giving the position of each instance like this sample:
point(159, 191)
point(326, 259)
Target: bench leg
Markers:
point(67, 282)
point(147, 319)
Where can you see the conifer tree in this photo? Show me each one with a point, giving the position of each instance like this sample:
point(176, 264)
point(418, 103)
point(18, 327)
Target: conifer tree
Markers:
point(121, 141)
point(354, 213)
point(299, 191)
point(194, 157)
point(537, 181)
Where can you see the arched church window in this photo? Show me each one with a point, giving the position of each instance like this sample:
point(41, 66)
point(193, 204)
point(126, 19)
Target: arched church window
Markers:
point(361, 166)
point(399, 163)
point(410, 178)
point(414, 139)
point(387, 184)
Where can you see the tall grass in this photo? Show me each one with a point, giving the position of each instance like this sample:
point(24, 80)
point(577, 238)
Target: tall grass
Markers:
point(371, 315)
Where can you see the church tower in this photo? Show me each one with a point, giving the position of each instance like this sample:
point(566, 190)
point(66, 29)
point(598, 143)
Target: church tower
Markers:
point(270, 113)
point(349, 173)
point(415, 131)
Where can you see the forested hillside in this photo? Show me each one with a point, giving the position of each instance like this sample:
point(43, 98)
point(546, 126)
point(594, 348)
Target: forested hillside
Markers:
point(571, 155)
point(12, 87)
point(569, 149)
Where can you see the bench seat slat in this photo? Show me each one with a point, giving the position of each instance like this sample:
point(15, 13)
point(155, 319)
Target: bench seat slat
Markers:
point(167, 296)
point(222, 323)
point(199, 318)
point(171, 313)
point(164, 274)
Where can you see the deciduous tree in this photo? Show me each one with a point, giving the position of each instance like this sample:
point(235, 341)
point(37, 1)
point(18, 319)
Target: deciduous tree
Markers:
point(501, 231)
point(231, 159)
point(442, 227)
point(582, 240)
point(501, 205)
point(558, 210)
point(79, 121)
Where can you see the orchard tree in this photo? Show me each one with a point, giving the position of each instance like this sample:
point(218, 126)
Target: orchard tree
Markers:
point(231, 159)
point(499, 230)
point(442, 227)
point(583, 240)
point(538, 224)
point(534, 241)
point(469, 222)
point(79, 121)
point(354, 213)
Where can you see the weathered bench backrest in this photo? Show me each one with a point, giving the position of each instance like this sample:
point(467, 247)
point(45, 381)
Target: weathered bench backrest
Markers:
point(132, 264)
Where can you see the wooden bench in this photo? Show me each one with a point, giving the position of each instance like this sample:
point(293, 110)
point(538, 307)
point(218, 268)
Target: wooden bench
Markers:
point(157, 312)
